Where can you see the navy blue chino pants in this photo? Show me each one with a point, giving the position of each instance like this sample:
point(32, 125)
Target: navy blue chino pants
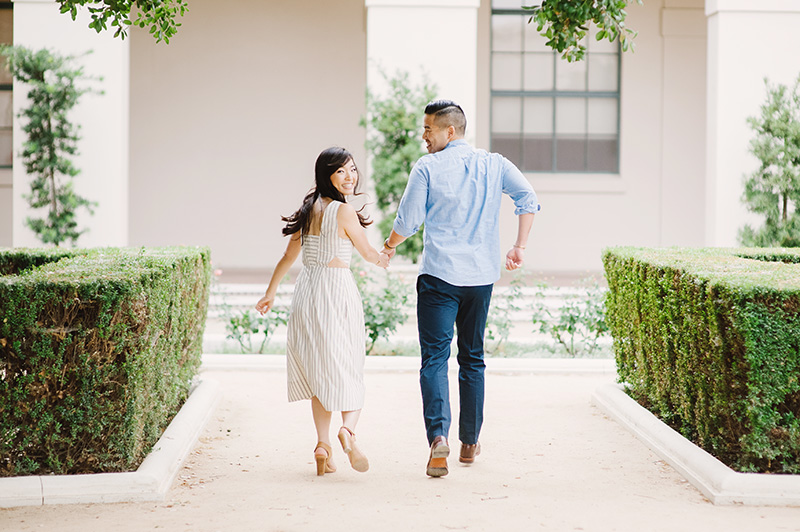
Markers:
point(440, 306)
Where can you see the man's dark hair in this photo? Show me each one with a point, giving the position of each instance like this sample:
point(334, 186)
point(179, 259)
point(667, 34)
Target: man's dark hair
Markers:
point(448, 113)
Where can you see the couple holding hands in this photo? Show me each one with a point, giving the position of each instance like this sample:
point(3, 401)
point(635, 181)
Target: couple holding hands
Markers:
point(456, 191)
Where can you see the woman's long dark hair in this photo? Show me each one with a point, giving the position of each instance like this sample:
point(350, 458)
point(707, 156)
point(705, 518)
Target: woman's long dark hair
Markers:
point(327, 163)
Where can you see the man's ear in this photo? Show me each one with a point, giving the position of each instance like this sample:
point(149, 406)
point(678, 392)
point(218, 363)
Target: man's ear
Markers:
point(451, 133)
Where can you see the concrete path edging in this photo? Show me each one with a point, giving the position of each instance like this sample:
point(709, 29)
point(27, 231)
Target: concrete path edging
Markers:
point(720, 484)
point(148, 483)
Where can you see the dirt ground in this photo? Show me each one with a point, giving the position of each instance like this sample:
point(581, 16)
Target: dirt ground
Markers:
point(550, 461)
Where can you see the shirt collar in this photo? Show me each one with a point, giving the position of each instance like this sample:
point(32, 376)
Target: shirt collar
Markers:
point(457, 142)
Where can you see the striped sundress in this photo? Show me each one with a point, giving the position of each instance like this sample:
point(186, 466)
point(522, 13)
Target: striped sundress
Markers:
point(326, 340)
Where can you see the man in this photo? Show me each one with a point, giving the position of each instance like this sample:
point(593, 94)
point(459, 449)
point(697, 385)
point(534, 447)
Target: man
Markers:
point(456, 191)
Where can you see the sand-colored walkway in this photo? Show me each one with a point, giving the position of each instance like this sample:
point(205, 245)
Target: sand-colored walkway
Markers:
point(550, 461)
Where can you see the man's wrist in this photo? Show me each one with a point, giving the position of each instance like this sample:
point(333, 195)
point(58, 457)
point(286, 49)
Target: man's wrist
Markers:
point(386, 244)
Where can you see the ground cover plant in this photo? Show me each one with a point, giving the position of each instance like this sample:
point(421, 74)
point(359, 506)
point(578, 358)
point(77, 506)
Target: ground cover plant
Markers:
point(98, 349)
point(709, 341)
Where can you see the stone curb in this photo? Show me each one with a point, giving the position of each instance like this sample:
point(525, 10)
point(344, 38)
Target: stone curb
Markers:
point(148, 483)
point(411, 364)
point(720, 484)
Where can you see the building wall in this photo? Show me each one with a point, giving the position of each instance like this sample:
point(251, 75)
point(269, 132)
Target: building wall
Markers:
point(433, 40)
point(228, 119)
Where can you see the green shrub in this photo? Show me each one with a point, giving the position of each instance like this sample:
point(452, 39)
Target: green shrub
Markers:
point(97, 352)
point(709, 341)
point(773, 190)
point(243, 325)
point(501, 310)
point(394, 125)
point(50, 143)
point(384, 297)
point(580, 321)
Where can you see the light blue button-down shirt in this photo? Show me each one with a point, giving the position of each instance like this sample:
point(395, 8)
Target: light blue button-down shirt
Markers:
point(456, 193)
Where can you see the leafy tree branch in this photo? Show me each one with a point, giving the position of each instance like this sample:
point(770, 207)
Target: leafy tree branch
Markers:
point(160, 16)
point(566, 22)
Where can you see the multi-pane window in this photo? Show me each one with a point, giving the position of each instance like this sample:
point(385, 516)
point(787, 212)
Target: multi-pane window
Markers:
point(6, 110)
point(548, 115)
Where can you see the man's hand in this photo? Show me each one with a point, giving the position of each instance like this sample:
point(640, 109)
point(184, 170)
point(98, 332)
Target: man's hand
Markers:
point(265, 304)
point(514, 258)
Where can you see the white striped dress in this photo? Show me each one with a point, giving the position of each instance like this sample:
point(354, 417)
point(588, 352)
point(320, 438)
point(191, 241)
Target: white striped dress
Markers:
point(326, 340)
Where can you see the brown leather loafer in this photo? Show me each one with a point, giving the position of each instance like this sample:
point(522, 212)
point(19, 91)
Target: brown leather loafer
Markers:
point(437, 462)
point(469, 452)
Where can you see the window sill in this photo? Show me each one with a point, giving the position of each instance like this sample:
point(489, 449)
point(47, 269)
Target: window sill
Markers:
point(577, 183)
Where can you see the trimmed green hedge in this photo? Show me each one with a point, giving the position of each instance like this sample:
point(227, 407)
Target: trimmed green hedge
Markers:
point(709, 340)
point(98, 348)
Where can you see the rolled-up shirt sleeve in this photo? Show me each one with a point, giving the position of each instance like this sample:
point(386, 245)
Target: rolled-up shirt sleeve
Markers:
point(517, 186)
point(412, 208)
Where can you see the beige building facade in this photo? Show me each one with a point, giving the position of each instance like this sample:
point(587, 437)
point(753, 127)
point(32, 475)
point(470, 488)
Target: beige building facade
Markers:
point(209, 139)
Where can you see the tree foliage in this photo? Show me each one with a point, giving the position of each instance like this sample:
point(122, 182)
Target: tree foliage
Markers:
point(51, 139)
point(394, 125)
point(566, 22)
point(773, 190)
point(159, 15)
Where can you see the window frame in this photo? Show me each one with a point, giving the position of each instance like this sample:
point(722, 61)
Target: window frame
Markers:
point(554, 95)
point(8, 87)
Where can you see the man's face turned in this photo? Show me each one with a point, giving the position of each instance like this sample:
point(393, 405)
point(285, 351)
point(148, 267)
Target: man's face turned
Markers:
point(435, 137)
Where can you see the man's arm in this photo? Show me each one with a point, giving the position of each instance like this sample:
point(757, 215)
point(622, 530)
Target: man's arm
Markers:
point(392, 242)
point(527, 205)
point(516, 255)
point(411, 211)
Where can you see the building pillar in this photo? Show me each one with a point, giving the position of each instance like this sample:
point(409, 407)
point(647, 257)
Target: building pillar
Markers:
point(103, 119)
point(683, 136)
point(748, 40)
point(436, 37)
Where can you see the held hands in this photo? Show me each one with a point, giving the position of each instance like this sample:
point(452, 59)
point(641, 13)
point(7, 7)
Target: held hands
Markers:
point(514, 258)
point(265, 304)
point(389, 252)
point(383, 260)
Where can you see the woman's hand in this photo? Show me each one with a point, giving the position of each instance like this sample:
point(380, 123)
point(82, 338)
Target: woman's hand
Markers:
point(383, 260)
point(265, 304)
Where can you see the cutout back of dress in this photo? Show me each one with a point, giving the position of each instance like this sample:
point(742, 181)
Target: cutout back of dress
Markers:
point(327, 249)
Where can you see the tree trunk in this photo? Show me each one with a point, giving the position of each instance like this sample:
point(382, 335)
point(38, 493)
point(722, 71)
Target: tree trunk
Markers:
point(785, 214)
point(51, 172)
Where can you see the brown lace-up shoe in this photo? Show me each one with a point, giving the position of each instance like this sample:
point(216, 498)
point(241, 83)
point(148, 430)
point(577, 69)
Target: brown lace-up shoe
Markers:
point(469, 452)
point(437, 462)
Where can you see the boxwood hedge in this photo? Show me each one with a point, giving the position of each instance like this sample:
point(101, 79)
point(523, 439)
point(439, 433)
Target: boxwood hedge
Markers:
point(98, 348)
point(709, 340)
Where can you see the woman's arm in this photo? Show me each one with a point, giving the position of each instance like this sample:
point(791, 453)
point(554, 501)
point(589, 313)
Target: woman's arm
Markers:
point(348, 221)
point(281, 269)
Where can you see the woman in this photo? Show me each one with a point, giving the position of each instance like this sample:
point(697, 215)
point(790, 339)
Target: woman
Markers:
point(325, 345)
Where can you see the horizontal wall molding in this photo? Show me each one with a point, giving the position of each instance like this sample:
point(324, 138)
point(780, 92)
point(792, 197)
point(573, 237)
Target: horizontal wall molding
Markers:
point(423, 3)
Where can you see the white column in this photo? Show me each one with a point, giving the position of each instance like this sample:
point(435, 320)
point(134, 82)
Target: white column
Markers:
point(103, 120)
point(748, 40)
point(438, 37)
point(683, 137)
